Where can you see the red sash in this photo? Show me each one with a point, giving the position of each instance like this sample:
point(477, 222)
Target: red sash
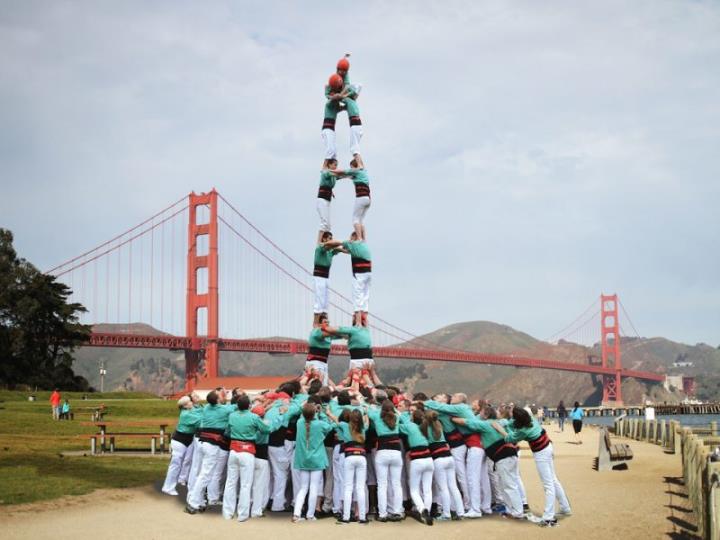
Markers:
point(473, 440)
point(242, 446)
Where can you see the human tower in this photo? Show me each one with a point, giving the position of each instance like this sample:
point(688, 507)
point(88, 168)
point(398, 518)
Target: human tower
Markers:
point(341, 95)
point(356, 448)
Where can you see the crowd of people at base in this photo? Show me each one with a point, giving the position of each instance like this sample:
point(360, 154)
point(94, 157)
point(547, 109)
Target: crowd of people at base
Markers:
point(320, 451)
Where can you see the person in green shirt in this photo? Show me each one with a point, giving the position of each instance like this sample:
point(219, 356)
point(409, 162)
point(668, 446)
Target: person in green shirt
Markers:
point(324, 197)
point(310, 459)
point(319, 343)
point(388, 459)
point(361, 180)
point(421, 464)
point(182, 439)
point(243, 429)
point(340, 95)
point(321, 275)
point(361, 259)
point(359, 344)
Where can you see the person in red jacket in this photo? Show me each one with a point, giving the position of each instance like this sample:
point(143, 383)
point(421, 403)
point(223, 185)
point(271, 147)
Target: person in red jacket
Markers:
point(55, 401)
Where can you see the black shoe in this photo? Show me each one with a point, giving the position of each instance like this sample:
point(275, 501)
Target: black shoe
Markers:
point(363, 521)
point(395, 517)
point(454, 516)
point(434, 511)
point(353, 518)
point(337, 515)
point(202, 509)
point(382, 519)
point(190, 510)
point(548, 523)
point(342, 522)
point(427, 518)
point(526, 508)
point(417, 516)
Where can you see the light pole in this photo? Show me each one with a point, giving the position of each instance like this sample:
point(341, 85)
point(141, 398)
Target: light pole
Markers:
point(103, 372)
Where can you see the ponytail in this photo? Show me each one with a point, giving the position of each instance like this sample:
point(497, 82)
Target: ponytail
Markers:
point(308, 412)
point(388, 414)
point(355, 421)
point(430, 421)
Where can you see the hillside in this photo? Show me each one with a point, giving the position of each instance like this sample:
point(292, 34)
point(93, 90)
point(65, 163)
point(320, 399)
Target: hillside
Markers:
point(162, 371)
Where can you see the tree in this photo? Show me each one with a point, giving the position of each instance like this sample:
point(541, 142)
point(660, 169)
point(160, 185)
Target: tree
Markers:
point(39, 329)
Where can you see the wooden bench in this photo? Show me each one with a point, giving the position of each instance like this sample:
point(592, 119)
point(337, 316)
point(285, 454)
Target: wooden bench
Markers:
point(611, 456)
point(111, 438)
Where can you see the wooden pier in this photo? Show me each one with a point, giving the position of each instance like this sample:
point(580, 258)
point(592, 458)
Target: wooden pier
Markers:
point(663, 409)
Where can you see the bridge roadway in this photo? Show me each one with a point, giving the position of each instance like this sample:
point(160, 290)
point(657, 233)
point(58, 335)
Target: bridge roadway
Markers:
point(297, 347)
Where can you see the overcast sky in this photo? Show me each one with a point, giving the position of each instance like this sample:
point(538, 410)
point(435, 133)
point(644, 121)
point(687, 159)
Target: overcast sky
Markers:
point(524, 156)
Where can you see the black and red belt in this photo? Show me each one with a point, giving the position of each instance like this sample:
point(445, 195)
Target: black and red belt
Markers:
point(355, 121)
point(325, 193)
point(389, 442)
point(320, 355)
point(242, 446)
point(213, 437)
point(361, 266)
point(419, 452)
point(362, 190)
point(352, 449)
point(473, 440)
point(329, 123)
point(454, 439)
point(183, 438)
point(541, 443)
point(360, 354)
point(261, 451)
point(440, 450)
point(501, 450)
point(321, 271)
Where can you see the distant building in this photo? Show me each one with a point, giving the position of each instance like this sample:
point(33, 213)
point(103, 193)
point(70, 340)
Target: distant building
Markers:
point(682, 363)
point(680, 382)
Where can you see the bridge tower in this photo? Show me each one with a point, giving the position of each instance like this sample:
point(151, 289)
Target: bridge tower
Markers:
point(207, 300)
point(610, 349)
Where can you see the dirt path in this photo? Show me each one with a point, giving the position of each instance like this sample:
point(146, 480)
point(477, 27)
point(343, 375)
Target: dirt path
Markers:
point(646, 501)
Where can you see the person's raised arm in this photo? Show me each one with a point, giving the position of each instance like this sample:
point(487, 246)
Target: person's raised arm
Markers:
point(332, 244)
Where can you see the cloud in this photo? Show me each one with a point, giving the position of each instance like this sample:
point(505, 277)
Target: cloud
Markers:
point(524, 156)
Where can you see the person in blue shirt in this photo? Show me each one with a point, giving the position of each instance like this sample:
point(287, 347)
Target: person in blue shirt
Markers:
point(576, 415)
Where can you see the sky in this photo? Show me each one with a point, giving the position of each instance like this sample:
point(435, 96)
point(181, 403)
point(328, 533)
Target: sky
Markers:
point(524, 156)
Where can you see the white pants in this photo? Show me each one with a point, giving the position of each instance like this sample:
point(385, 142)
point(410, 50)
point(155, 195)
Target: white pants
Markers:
point(187, 462)
point(215, 487)
point(354, 474)
point(506, 471)
point(319, 366)
point(459, 455)
point(328, 136)
point(207, 456)
point(551, 485)
point(320, 301)
point(388, 463)
point(362, 204)
point(356, 133)
point(450, 498)
point(323, 209)
point(521, 486)
point(177, 456)
point(240, 466)
point(195, 465)
point(371, 477)
point(496, 492)
point(361, 291)
point(421, 475)
point(295, 474)
point(310, 486)
point(260, 487)
point(359, 363)
point(279, 467)
point(478, 481)
point(338, 479)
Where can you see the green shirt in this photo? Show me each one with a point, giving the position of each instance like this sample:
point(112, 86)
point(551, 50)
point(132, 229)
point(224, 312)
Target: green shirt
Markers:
point(318, 340)
point(358, 249)
point(216, 416)
point(327, 179)
point(310, 454)
point(343, 432)
point(381, 428)
point(324, 257)
point(245, 426)
point(359, 176)
point(412, 430)
point(523, 434)
point(488, 433)
point(189, 420)
point(358, 336)
point(446, 411)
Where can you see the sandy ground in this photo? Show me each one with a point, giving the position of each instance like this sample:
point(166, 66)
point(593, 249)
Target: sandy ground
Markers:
point(645, 501)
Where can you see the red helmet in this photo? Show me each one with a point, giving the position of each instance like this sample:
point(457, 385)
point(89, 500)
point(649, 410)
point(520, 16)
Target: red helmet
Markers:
point(343, 64)
point(336, 82)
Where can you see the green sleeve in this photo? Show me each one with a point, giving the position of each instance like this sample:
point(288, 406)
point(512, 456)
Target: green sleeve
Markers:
point(476, 424)
point(261, 426)
point(445, 408)
point(513, 436)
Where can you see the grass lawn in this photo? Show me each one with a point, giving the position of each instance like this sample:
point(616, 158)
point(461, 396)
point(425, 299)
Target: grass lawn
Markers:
point(31, 466)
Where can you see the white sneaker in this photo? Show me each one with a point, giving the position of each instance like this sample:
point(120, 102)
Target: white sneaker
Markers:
point(311, 519)
point(470, 514)
point(533, 518)
point(567, 512)
point(171, 492)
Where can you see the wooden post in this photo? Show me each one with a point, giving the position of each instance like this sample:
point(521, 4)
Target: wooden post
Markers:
point(152, 445)
point(713, 428)
point(93, 445)
point(112, 444)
